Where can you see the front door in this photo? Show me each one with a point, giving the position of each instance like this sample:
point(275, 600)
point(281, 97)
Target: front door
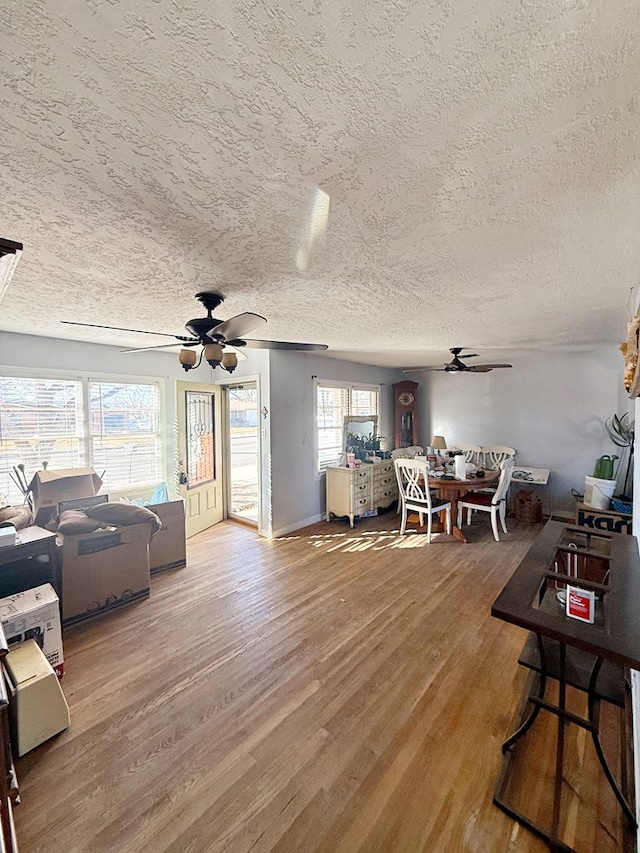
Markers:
point(200, 461)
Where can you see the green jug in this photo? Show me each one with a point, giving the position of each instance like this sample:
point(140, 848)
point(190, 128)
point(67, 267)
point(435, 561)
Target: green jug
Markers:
point(604, 467)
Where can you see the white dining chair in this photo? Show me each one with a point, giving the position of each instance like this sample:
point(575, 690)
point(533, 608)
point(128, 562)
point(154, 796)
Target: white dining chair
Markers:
point(495, 503)
point(407, 452)
point(472, 453)
point(494, 455)
point(415, 495)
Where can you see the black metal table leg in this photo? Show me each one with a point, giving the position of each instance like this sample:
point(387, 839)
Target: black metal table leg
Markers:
point(535, 706)
point(593, 703)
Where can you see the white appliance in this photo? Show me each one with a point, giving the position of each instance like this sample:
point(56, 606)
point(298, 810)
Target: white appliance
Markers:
point(37, 707)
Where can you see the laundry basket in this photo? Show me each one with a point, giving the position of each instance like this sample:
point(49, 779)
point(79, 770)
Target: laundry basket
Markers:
point(528, 507)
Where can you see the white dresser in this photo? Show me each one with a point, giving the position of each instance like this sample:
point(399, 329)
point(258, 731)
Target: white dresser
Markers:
point(356, 491)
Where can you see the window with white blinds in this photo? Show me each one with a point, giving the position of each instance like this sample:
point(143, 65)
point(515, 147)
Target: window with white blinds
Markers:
point(333, 403)
point(125, 433)
point(69, 423)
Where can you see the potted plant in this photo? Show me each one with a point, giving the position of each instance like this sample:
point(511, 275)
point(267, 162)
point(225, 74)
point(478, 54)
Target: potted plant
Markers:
point(622, 434)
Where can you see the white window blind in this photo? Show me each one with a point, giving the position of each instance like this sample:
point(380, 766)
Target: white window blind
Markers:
point(333, 404)
point(69, 423)
point(41, 420)
point(125, 433)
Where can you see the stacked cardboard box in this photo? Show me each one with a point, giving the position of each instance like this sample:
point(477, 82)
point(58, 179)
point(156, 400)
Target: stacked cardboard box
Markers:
point(167, 549)
point(104, 570)
point(50, 487)
point(604, 520)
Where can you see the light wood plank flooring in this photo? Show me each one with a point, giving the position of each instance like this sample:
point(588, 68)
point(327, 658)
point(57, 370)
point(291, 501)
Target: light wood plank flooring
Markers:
point(333, 691)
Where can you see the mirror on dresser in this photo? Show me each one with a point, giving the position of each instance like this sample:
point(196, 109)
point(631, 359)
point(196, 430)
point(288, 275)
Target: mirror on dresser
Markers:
point(360, 435)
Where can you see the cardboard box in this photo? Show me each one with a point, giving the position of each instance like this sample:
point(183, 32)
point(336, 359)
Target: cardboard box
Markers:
point(35, 615)
point(168, 548)
point(103, 571)
point(604, 520)
point(48, 488)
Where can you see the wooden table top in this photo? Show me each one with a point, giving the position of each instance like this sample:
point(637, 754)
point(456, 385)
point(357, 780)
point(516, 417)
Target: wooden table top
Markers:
point(616, 632)
point(489, 479)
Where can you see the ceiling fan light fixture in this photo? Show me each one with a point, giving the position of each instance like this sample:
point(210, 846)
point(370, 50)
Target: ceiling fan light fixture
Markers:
point(187, 358)
point(229, 361)
point(10, 253)
point(213, 354)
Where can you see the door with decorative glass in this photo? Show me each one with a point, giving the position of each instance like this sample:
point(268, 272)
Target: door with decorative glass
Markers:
point(200, 460)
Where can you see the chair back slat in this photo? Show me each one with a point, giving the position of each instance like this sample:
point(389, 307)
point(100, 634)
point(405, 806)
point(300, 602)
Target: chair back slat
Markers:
point(506, 470)
point(472, 453)
point(494, 455)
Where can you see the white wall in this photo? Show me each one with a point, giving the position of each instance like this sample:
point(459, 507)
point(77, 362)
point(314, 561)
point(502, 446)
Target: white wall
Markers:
point(551, 407)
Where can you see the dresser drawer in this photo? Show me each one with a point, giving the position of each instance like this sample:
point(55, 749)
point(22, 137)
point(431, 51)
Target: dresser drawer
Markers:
point(361, 475)
point(384, 482)
point(362, 503)
point(361, 490)
point(386, 498)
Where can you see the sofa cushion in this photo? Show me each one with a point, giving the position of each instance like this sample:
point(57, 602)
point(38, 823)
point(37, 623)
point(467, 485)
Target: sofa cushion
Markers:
point(19, 516)
point(73, 522)
point(122, 515)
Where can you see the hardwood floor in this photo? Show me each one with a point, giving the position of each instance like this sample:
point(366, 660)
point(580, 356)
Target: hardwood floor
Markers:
point(334, 691)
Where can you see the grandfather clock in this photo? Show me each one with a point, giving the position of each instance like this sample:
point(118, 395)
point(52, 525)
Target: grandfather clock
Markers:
point(405, 407)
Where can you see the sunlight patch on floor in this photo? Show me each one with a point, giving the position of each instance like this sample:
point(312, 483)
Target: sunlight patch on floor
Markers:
point(374, 540)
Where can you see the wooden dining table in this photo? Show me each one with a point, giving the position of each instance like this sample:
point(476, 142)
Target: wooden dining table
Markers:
point(453, 490)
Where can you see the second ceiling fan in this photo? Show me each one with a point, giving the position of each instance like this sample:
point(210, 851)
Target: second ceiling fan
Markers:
point(456, 365)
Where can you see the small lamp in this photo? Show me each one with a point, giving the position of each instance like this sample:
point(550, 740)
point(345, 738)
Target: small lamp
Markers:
point(438, 443)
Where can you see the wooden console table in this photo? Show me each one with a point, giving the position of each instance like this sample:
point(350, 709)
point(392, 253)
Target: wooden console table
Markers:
point(591, 657)
point(36, 542)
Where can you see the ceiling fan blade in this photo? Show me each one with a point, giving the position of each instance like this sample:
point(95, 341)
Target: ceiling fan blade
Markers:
point(237, 327)
point(488, 366)
point(239, 354)
point(179, 343)
point(253, 344)
point(118, 329)
point(420, 369)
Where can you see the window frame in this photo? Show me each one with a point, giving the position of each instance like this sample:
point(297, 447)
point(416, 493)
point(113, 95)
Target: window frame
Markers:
point(349, 386)
point(85, 379)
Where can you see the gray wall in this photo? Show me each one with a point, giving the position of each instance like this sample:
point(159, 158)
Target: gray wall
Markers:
point(298, 496)
point(551, 407)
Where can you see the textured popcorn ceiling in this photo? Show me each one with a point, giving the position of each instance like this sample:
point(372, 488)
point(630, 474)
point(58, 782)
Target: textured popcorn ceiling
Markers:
point(481, 161)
